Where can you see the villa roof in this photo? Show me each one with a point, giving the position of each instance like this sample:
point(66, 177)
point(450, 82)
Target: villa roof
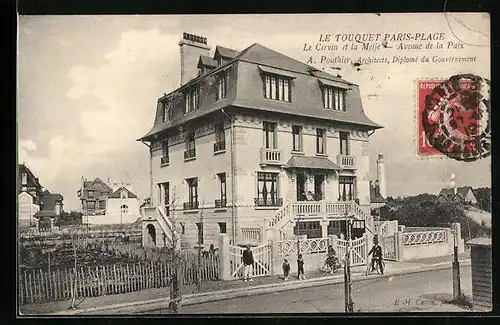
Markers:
point(264, 58)
point(206, 61)
point(116, 194)
point(225, 52)
point(449, 192)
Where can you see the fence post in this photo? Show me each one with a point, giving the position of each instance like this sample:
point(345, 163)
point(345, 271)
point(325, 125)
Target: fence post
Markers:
point(333, 240)
point(399, 246)
point(275, 257)
point(224, 261)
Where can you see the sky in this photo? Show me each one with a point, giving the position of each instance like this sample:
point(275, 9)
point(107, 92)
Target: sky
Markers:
point(88, 86)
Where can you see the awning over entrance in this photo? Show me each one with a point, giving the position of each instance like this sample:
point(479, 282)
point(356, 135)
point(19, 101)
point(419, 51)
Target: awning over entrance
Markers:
point(311, 162)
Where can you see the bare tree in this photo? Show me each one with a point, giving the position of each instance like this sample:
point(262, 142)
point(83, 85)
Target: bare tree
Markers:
point(175, 302)
point(74, 277)
point(200, 249)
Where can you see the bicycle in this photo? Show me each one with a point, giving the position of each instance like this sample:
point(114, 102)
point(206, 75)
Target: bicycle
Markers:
point(327, 268)
point(377, 266)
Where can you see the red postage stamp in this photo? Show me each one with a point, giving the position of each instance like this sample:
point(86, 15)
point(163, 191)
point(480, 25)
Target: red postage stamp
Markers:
point(454, 118)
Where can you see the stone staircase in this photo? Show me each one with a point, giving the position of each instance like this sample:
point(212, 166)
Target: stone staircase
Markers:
point(158, 214)
point(293, 210)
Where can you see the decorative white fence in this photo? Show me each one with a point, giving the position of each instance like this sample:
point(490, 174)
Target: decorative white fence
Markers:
point(424, 237)
point(389, 249)
point(306, 246)
point(262, 265)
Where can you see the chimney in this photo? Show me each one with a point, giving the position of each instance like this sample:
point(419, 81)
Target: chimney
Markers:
point(192, 46)
point(381, 175)
point(453, 184)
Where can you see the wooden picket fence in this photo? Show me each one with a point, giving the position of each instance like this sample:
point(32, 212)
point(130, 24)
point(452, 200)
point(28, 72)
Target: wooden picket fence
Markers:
point(38, 286)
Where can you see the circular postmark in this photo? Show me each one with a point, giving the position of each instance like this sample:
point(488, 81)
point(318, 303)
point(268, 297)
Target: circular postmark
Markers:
point(456, 117)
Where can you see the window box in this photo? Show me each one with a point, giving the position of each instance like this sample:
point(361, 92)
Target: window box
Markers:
point(272, 202)
point(219, 146)
point(190, 154)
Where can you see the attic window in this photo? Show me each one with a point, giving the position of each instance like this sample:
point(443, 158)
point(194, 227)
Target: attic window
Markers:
point(192, 99)
point(277, 87)
point(24, 179)
point(123, 194)
point(334, 98)
point(220, 61)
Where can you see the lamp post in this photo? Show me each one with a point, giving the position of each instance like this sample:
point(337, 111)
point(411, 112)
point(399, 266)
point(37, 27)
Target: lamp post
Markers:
point(456, 265)
point(349, 305)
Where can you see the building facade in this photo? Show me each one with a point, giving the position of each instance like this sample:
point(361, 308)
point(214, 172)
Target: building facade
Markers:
point(29, 193)
point(108, 202)
point(252, 135)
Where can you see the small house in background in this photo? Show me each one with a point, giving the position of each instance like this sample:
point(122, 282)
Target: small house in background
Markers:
point(482, 289)
point(51, 207)
point(462, 195)
point(106, 203)
point(29, 193)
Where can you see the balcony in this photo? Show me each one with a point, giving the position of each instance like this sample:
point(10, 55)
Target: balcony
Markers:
point(272, 202)
point(164, 161)
point(271, 157)
point(190, 154)
point(346, 162)
point(220, 203)
point(219, 146)
point(191, 205)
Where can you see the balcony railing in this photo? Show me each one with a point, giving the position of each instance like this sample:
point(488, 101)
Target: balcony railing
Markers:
point(220, 203)
point(251, 235)
point(272, 202)
point(271, 156)
point(164, 160)
point(315, 208)
point(191, 153)
point(346, 162)
point(191, 205)
point(219, 146)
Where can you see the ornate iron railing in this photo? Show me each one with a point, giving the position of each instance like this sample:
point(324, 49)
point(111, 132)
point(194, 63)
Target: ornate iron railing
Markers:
point(219, 146)
point(191, 205)
point(191, 153)
point(221, 203)
point(272, 202)
point(424, 237)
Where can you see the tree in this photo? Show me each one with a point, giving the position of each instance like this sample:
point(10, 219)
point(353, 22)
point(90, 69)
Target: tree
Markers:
point(69, 219)
point(483, 197)
point(175, 302)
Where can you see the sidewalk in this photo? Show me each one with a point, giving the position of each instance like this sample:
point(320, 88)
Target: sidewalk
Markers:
point(208, 288)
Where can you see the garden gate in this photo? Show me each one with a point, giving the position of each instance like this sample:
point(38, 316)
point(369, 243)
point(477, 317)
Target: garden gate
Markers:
point(262, 265)
point(358, 251)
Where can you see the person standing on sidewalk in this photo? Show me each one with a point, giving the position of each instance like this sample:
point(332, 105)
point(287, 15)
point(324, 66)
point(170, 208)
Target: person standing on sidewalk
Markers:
point(286, 269)
point(247, 264)
point(300, 268)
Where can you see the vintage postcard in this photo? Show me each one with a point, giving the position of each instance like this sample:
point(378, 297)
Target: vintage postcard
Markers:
point(214, 164)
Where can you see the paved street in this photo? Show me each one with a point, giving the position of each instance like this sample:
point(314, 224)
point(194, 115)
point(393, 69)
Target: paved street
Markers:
point(423, 291)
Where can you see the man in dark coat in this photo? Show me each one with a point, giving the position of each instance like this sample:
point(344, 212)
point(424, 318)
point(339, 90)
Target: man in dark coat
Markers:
point(247, 264)
point(377, 256)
